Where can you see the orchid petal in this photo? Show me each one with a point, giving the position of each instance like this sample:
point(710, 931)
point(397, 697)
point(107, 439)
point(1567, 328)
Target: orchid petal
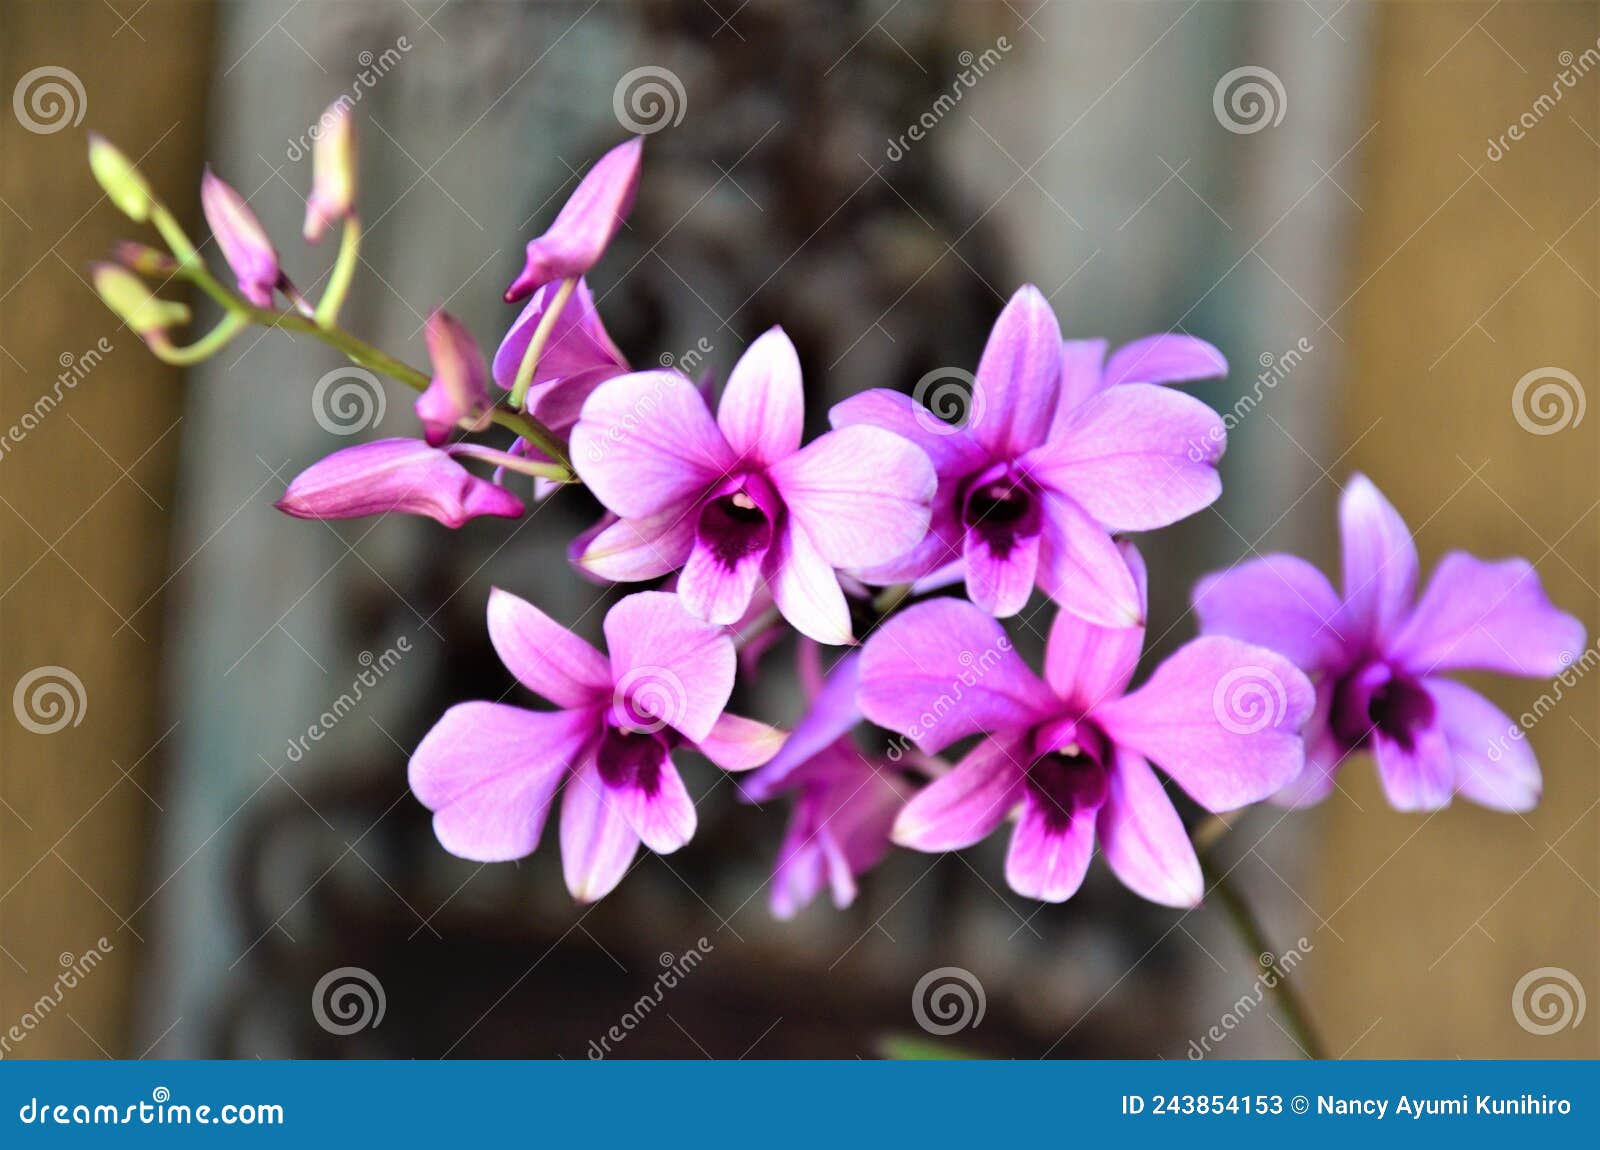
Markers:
point(1085, 663)
point(1081, 568)
point(762, 406)
point(952, 450)
point(663, 815)
point(942, 670)
point(1482, 616)
point(1167, 358)
point(1047, 859)
point(1082, 364)
point(834, 713)
point(967, 804)
point(597, 841)
point(545, 657)
point(1017, 378)
point(1135, 457)
point(805, 587)
point(578, 342)
point(646, 442)
point(740, 744)
point(1492, 762)
point(862, 494)
point(1279, 602)
point(1380, 560)
point(1001, 583)
point(634, 550)
point(1221, 717)
point(489, 771)
point(669, 665)
point(1143, 839)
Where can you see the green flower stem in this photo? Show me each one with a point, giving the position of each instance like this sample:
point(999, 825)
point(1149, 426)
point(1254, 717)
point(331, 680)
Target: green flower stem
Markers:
point(361, 352)
point(203, 348)
point(541, 336)
point(1255, 941)
point(344, 272)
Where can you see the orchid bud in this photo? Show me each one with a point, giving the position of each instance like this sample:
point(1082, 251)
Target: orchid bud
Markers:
point(128, 296)
point(333, 173)
point(389, 475)
point(119, 179)
point(144, 259)
point(241, 237)
point(586, 223)
point(459, 392)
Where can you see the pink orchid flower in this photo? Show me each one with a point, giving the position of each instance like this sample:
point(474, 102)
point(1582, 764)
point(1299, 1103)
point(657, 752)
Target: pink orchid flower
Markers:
point(490, 771)
point(1034, 483)
point(736, 501)
point(845, 802)
point(578, 357)
point(586, 223)
point(1073, 750)
point(1378, 656)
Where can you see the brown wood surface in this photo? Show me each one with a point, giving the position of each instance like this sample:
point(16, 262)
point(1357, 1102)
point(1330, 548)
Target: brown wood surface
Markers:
point(84, 520)
point(1471, 273)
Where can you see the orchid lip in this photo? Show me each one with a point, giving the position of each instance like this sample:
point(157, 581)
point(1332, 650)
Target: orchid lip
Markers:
point(739, 519)
point(1002, 506)
point(1070, 769)
point(1379, 697)
point(631, 757)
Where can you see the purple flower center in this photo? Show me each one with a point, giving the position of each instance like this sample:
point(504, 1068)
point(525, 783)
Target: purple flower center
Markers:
point(632, 758)
point(1378, 697)
point(1002, 507)
point(1072, 776)
point(739, 520)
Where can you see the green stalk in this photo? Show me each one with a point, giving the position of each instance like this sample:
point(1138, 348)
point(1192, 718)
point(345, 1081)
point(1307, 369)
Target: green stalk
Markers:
point(1250, 933)
point(230, 325)
point(541, 336)
point(344, 272)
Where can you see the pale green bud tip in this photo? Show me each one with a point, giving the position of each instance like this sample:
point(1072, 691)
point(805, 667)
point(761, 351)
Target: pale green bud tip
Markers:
point(126, 295)
point(119, 179)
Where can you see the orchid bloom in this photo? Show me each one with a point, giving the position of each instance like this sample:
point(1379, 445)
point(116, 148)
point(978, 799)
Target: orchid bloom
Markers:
point(241, 237)
point(845, 802)
point(458, 394)
point(333, 173)
point(736, 501)
point(1034, 483)
point(395, 475)
point(1220, 717)
point(1378, 658)
point(578, 357)
point(586, 223)
point(489, 771)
